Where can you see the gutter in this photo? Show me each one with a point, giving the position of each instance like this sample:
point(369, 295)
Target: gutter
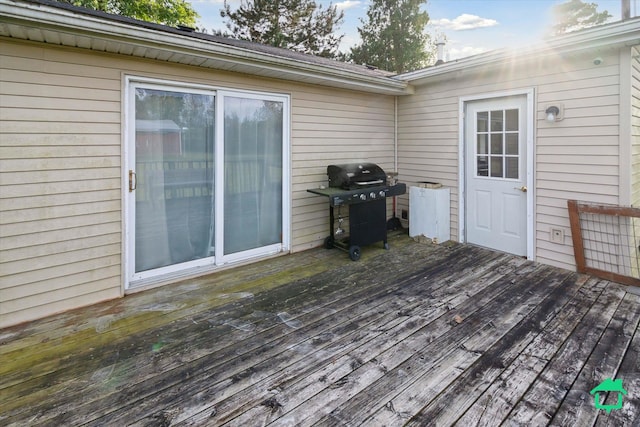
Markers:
point(43, 17)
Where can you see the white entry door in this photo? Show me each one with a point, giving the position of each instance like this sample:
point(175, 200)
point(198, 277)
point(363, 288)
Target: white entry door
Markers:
point(496, 175)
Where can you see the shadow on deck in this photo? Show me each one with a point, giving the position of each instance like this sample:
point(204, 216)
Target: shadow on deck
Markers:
point(418, 335)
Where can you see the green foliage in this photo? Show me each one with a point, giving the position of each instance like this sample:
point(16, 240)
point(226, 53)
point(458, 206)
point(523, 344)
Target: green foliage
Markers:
point(574, 15)
point(393, 37)
point(167, 12)
point(299, 25)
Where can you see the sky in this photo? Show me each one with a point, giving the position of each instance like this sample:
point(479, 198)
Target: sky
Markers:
point(470, 26)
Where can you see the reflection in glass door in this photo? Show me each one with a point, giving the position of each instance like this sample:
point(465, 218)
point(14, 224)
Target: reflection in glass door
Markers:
point(253, 175)
point(174, 170)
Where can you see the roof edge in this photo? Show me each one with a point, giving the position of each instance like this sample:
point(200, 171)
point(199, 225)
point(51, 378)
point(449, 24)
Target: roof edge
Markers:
point(622, 33)
point(100, 26)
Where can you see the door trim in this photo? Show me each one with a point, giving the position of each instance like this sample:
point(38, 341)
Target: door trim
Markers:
point(530, 179)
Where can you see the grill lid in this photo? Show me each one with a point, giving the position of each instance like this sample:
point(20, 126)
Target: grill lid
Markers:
point(354, 175)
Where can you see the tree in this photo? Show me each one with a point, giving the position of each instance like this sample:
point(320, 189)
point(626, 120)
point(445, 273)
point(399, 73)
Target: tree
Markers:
point(166, 12)
point(574, 15)
point(393, 37)
point(299, 25)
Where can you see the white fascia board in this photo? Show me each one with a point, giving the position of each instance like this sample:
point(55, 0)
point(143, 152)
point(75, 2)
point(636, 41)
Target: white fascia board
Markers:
point(64, 21)
point(624, 33)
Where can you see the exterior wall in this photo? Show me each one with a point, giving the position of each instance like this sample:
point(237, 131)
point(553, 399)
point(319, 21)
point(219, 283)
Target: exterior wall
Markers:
point(576, 158)
point(635, 127)
point(61, 166)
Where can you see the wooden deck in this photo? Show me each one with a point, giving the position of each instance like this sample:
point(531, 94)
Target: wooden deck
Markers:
point(418, 335)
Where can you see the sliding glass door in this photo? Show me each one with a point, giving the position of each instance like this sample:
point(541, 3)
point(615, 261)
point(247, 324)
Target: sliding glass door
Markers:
point(206, 179)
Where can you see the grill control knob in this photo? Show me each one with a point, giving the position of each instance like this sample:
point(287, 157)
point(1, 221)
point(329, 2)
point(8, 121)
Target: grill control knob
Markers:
point(363, 196)
point(372, 194)
point(382, 193)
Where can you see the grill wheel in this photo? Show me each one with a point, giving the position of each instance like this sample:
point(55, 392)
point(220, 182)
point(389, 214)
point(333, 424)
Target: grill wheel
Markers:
point(354, 253)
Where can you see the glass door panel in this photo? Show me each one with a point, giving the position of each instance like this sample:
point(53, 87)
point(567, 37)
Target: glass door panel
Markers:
point(253, 173)
point(174, 166)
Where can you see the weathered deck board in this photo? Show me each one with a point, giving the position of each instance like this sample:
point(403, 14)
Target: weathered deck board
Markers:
point(420, 334)
point(494, 403)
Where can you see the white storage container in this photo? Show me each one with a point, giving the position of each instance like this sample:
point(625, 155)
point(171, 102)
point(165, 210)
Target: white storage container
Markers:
point(429, 213)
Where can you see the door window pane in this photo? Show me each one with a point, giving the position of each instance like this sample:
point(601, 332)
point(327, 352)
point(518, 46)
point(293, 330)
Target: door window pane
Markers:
point(496, 167)
point(482, 144)
point(174, 145)
point(512, 120)
point(496, 143)
point(483, 166)
point(497, 121)
point(512, 144)
point(482, 119)
point(253, 138)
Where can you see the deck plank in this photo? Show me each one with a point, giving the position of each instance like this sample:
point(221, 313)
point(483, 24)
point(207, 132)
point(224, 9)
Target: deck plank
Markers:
point(422, 334)
point(463, 391)
point(629, 372)
point(326, 378)
point(443, 367)
point(496, 401)
point(541, 401)
point(578, 408)
point(297, 381)
point(404, 359)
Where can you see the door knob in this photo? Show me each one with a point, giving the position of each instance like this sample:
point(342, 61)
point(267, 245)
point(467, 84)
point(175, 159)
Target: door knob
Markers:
point(523, 188)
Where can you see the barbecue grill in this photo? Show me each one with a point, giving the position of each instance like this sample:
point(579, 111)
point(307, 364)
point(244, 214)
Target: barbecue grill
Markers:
point(363, 188)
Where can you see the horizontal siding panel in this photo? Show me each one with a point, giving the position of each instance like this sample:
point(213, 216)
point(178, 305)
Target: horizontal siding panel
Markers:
point(43, 164)
point(27, 240)
point(60, 247)
point(59, 295)
point(59, 223)
point(16, 178)
point(20, 315)
point(371, 126)
point(586, 150)
point(68, 140)
point(26, 56)
point(62, 116)
point(33, 265)
point(597, 81)
point(61, 128)
point(104, 278)
point(577, 94)
point(60, 199)
point(578, 159)
point(59, 271)
point(586, 177)
point(579, 169)
point(587, 196)
point(42, 90)
point(62, 80)
point(12, 101)
point(13, 216)
point(48, 152)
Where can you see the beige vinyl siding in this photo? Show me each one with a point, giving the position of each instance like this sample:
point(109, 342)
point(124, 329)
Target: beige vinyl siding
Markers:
point(576, 158)
point(61, 166)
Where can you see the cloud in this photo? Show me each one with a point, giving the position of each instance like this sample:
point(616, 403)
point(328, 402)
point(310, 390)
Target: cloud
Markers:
point(464, 22)
point(347, 4)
